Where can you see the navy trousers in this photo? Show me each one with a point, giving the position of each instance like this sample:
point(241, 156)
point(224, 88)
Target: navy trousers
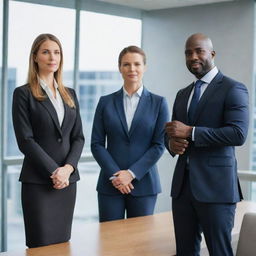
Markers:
point(191, 218)
point(114, 207)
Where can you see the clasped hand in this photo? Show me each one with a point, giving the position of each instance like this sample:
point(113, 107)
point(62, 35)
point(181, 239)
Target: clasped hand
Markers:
point(178, 134)
point(122, 182)
point(60, 177)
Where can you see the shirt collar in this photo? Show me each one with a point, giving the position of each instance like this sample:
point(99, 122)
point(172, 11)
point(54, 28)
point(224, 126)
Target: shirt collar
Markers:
point(207, 78)
point(138, 92)
point(45, 86)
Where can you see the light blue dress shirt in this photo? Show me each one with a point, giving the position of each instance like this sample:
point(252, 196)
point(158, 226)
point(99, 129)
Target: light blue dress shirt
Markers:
point(130, 105)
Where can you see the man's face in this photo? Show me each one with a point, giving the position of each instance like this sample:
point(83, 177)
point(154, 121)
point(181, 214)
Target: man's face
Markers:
point(199, 56)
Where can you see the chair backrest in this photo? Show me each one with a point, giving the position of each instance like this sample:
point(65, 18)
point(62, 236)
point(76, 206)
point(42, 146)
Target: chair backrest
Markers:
point(247, 237)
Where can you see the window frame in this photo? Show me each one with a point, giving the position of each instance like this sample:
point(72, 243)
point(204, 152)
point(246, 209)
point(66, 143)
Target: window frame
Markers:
point(78, 5)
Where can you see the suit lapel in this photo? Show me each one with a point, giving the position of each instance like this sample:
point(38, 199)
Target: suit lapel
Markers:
point(184, 103)
point(67, 110)
point(51, 110)
point(141, 110)
point(118, 101)
point(210, 90)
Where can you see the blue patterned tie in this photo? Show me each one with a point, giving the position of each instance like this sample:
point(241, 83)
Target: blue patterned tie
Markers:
point(194, 101)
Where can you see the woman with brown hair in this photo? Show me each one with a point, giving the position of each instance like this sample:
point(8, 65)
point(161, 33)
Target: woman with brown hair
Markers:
point(127, 141)
point(49, 133)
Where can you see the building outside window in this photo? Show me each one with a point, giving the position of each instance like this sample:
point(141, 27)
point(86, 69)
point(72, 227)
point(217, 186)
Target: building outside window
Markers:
point(98, 75)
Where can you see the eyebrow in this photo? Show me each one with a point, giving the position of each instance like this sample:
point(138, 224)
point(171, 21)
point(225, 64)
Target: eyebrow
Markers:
point(197, 48)
point(49, 49)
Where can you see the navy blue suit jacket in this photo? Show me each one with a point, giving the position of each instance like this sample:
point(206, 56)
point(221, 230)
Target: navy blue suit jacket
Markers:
point(221, 123)
point(115, 148)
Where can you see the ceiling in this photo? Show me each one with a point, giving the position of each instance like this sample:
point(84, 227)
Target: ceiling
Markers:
point(161, 4)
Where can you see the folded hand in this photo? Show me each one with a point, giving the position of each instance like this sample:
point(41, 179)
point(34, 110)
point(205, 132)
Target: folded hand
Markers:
point(60, 176)
point(122, 182)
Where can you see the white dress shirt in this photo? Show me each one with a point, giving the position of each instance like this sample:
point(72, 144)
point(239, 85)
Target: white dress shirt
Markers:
point(207, 80)
point(56, 102)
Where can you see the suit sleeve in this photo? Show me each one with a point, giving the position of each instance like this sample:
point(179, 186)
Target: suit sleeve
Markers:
point(24, 132)
point(166, 138)
point(235, 125)
point(98, 143)
point(152, 155)
point(76, 138)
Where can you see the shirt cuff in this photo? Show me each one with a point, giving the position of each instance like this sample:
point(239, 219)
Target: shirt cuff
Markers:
point(193, 134)
point(132, 173)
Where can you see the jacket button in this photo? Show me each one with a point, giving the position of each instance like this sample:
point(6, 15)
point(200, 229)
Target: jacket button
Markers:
point(59, 140)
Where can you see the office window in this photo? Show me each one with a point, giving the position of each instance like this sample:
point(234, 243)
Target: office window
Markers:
point(1, 117)
point(86, 209)
point(102, 37)
point(254, 191)
point(98, 75)
point(1, 35)
point(252, 185)
point(26, 22)
point(15, 226)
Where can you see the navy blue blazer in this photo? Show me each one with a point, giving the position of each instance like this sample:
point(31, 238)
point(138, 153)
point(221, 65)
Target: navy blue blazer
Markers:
point(45, 144)
point(221, 123)
point(115, 148)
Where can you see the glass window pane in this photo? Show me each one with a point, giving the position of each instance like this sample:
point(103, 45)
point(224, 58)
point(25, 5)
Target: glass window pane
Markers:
point(253, 196)
point(1, 118)
point(248, 188)
point(102, 37)
point(15, 226)
point(26, 22)
point(86, 209)
point(1, 35)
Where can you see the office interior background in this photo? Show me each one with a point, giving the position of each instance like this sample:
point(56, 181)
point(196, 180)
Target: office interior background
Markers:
point(93, 32)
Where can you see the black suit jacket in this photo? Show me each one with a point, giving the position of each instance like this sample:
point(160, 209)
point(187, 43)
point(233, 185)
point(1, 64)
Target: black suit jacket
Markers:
point(45, 144)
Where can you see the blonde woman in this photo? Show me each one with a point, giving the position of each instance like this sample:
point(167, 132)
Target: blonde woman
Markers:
point(49, 133)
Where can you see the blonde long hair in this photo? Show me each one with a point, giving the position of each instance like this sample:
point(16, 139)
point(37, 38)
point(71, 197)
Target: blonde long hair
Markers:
point(33, 71)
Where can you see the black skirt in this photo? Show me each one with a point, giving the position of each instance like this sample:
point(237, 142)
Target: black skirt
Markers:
point(47, 213)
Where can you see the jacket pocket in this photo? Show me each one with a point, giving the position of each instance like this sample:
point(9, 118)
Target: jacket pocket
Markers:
point(220, 161)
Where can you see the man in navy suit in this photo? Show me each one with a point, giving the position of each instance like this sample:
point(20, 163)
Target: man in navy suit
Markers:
point(210, 118)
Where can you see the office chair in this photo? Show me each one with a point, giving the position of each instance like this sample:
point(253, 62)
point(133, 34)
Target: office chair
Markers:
point(247, 237)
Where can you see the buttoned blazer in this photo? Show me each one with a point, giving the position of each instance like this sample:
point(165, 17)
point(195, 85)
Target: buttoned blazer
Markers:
point(221, 123)
point(115, 148)
point(45, 144)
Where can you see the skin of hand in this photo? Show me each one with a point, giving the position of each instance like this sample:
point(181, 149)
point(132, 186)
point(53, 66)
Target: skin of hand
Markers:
point(125, 189)
point(60, 176)
point(178, 145)
point(123, 181)
point(122, 177)
point(178, 129)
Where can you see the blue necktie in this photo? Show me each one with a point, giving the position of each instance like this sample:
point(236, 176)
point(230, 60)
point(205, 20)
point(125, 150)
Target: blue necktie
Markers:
point(194, 101)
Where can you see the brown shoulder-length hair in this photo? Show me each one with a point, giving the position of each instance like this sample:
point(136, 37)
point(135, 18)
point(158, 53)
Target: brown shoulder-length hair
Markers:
point(33, 71)
point(131, 49)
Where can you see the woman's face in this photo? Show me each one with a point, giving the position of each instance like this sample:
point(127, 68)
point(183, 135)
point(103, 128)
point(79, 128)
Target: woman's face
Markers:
point(132, 68)
point(48, 57)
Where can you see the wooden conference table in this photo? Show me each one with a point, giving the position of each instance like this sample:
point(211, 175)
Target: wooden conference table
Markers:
point(142, 236)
